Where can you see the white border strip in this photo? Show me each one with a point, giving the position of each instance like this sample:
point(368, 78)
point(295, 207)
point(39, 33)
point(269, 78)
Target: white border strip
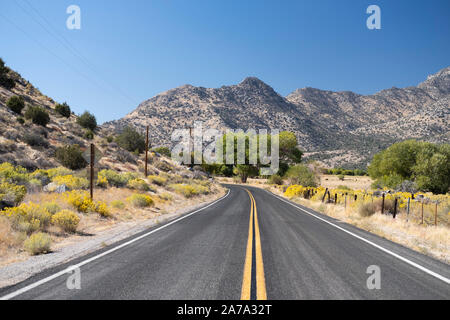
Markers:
point(70, 268)
point(428, 271)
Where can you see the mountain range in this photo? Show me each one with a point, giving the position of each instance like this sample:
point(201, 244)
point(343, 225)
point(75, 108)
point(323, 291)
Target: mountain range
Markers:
point(336, 128)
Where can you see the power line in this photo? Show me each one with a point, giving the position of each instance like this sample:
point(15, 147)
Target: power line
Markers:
point(73, 51)
point(77, 53)
point(50, 51)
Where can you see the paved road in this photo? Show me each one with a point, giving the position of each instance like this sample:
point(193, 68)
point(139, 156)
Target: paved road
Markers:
point(250, 245)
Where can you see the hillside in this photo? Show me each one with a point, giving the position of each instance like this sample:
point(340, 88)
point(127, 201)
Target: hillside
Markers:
point(337, 128)
point(16, 149)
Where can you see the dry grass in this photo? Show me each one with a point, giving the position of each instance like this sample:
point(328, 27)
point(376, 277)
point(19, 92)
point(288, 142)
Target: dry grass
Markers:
point(427, 239)
point(352, 182)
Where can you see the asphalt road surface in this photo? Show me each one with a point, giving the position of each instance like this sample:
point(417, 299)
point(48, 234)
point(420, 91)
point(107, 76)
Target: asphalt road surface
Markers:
point(248, 245)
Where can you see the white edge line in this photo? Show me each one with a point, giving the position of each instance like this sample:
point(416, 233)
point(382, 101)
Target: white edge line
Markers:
point(428, 271)
point(70, 268)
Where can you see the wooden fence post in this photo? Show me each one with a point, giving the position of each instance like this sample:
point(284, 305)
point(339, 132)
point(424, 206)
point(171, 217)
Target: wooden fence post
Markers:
point(92, 170)
point(323, 198)
point(407, 209)
point(395, 207)
point(422, 211)
point(146, 153)
point(382, 204)
point(335, 198)
point(435, 214)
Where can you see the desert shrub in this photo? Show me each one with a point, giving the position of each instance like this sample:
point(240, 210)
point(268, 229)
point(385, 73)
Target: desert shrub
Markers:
point(117, 204)
point(87, 121)
point(163, 166)
point(71, 157)
point(367, 209)
point(158, 180)
point(131, 140)
point(66, 220)
point(20, 120)
point(34, 185)
point(163, 151)
point(28, 217)
point(16, 104)
point(341, 177)
point(37, 115)
point(140, 200)
point(38, 243)
point(275, 179)
point(166, 196)
point(71, 182)
point(109, 139)
point(102, 209)
point(342, 187)
point(301, 175)
point(13, 174)
point(58, 171)
point(115, 178)
point(189, 190)
point(63, 109)
point(88, 134)
point(138, 184)
point(80, 201)
point(102, 182)
point(11, 194)
point(51, 207)
point(34, 140)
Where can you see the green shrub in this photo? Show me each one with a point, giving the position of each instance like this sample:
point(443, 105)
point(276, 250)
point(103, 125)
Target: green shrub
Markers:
point(87, 121)
point(275, 179)
point(163, 151)
point(140, 200)
point(341, 177)
point(11, 174)
point(37, 115)
point(117, 204)
point(138, 184)
point(88, 134)
point(109, 139)
point(20, 120)
point(34, 140)
point(131, 140)
point(5, 80)
point(71, 157)
point(66, 220)
point(38, 243)
point(16, 104)
point(63, 109)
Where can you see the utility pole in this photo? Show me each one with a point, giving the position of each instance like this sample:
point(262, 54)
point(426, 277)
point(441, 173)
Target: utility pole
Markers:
point(92, 170)
point(146, 153)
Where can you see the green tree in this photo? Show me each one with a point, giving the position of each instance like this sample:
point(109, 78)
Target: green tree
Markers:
point(71, 157)
point(37, 115)
point(432, 170)
point(16, 104)
point(5, 80)
point(87, 121)
point(63, 109)
point(131, 140)
point(301, 175)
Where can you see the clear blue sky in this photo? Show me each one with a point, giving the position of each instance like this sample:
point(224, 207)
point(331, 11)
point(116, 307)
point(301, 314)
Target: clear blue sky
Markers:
point(137, 49)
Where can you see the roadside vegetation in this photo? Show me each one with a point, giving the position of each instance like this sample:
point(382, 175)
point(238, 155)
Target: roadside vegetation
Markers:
point(41, 207)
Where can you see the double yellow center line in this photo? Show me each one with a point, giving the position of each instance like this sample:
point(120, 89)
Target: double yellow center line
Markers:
point(247, 278)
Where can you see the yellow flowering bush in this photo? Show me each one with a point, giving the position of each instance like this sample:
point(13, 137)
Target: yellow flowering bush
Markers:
point(71, 182)
point(189, 190)
point(140, 200)
point(66, 220)
point(102, 209)
point(11, 193)
point(28, 217)
point(80, 200)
